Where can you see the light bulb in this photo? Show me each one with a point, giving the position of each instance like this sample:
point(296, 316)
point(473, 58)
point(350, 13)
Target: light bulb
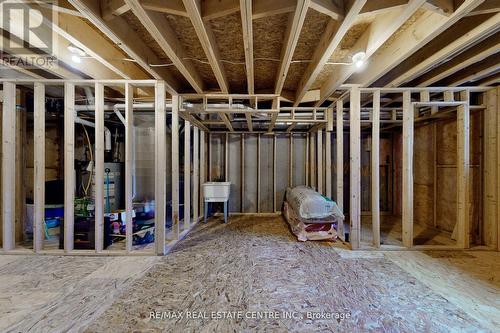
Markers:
point(76, 59)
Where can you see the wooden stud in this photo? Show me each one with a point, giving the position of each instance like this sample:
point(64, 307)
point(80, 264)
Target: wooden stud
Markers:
point(69, 168)
point(226, 158)
point(463, 171)
point(187, 175)
point(355, 166)
point(258, 173)
point(129, 164)
point(407, 218)
point(319, 144)
point(39, 165)
point(274, 173)
point(312, 161)
point(328, 163)
point(203, 164)
point(161, 167)
point(376, 169)
point(242, 203)
point(339, 179)
point(99, 168)
point(175, 166)
point(209, 157)
point(290, 162)
point(9, 165)
point(490, 174)
point(196, 181)
point(306, 161)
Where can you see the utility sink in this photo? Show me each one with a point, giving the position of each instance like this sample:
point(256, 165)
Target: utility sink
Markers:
point(216, 191)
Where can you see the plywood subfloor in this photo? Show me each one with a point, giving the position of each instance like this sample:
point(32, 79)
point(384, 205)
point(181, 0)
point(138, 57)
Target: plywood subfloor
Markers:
point(391, 232)
point(253, 264)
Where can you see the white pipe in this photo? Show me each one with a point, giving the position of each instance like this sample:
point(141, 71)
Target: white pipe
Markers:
point(107, 132)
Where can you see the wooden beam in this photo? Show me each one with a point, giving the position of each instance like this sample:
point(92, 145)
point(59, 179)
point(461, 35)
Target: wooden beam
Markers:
point(226, 121)
point(443, 7)
point(207, 40)
point(196, 174)
point(123, 35)
point(328, 7)
point(39, 165)
point(464, 41)
point(376, 35)
point(112, 8)
point(473, 73)
point(9, 166)
point(407, 170)
point(212, 9)
point(355, 167)
point(248, 116)
point(375, 164)
point(330, 40)
point(465, 59)
point(99, 168)
point(69, 167)
point(423, 30)
point(463, 172)
point(377, 7)
point(174, 7)
point(164, 35)
point(129, 164)
point(187, 175)
point(266, 8)
point(161, 167)
point(295, 23)
point(487, 7)
point(246, 24)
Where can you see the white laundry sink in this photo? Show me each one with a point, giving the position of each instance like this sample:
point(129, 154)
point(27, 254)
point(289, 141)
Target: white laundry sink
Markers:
point(216, 191)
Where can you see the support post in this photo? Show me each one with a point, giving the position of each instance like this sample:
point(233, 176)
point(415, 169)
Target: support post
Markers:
point(161, 166)
point(328, 163)
point(463, 171)
point(290, 162)
point(196, 166)
point(202, 169)
point(376, 169)
point(258, 173)
point(274, 173)
point(306, 161)
point(39, 165)
point(355, 165)
point(187, 175)
point(319, 144)
point(9, 165)
point(226, 158)
point(408, 114)
point(175, 165)
point(129, 163)
point(312, 161)
point(339, 180)
point(490, 171)
point(99, 168)
point(69, 167)
point(242, 209)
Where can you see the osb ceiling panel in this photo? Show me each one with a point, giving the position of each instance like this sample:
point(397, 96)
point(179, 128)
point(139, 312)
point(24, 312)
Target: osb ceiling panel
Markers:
point(187, 36)
point(229, 37)
point(314, 26)
point(268, 35)
point(146, 37)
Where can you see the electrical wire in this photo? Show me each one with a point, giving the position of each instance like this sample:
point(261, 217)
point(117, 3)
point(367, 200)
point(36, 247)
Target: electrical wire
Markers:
point(85, 190)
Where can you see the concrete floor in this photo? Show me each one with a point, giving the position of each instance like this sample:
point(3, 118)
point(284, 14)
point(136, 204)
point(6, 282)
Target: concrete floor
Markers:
point(252, 267)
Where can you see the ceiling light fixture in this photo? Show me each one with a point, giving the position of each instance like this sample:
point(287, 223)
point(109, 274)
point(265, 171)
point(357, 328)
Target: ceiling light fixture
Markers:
point(76, 50)
point(358, 59)
point(76, 59)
